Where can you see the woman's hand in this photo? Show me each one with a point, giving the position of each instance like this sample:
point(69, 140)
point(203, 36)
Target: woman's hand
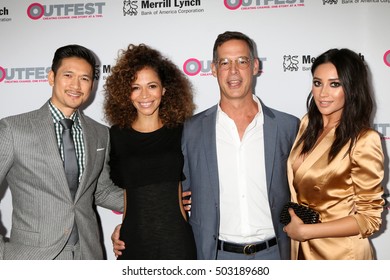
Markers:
point(117, 244)
point(296, 228)
point(186, 200)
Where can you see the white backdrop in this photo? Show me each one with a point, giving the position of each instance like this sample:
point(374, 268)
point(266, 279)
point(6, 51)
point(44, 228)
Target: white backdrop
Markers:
point(288, 33)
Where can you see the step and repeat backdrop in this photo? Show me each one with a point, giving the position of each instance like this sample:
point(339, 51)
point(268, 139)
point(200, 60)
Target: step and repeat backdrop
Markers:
point(289, 34)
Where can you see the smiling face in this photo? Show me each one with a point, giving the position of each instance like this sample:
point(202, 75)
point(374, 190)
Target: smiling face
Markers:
point(146, 93)
point(72, 85)
point(235, 82)
point(328, 92)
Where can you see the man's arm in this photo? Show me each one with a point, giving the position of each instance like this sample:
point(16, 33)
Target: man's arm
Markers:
point(6, 159)
point(107, 194)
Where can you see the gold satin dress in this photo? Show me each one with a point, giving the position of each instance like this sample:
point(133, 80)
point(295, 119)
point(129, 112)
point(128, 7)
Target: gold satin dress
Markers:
point(350, 185)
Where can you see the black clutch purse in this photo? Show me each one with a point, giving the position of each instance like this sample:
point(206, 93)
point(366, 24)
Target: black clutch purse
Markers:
point(306, 214)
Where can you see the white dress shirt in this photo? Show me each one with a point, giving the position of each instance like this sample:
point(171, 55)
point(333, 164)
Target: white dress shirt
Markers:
point(245, 215)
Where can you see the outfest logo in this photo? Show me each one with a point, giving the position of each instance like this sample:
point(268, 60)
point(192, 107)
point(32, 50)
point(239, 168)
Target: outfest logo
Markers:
point(194, 66)
point(386, 58)
point(24, 74)
point(262, 4)
point(37, 11)
point(383, 129)
point(2, 74)
point(31, 74)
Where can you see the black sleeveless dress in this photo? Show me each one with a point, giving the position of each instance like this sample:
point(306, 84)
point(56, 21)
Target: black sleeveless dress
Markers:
point(149, 166)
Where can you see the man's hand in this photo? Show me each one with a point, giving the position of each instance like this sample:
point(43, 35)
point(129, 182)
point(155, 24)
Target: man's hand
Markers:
point(186, 200)
point(118, 245)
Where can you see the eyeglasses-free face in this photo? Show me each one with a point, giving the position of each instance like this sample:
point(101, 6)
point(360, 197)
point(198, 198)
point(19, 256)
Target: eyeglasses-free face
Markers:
point(241, 62)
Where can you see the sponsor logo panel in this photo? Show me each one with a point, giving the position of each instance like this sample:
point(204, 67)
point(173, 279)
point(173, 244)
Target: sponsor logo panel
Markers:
point(164, 7)
point(34, 74)
point(65, 11)
point(262, 4)
point(5, 14)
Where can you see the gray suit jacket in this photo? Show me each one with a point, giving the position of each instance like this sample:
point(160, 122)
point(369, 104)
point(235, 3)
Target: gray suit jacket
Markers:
point(201, 172)
point(43, 210)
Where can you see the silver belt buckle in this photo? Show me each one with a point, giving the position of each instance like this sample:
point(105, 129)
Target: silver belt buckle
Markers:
point(249, 249)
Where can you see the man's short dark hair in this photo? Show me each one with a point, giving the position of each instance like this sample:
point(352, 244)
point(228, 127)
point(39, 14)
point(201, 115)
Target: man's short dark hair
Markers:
point(72, 51)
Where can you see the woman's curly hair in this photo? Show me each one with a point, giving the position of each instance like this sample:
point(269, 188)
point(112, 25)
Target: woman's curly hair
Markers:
point(177, 103)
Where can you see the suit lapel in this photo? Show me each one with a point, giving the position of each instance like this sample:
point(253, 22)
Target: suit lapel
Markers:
point(210, 148)
point(270, 131)
point(90, 145)
point(44, 127)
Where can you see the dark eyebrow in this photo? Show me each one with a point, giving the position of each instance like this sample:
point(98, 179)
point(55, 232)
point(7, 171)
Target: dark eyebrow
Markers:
point(72, 72)
point(333, 79)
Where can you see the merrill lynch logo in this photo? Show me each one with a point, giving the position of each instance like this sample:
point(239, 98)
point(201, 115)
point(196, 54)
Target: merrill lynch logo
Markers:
point(329, 2)
point(130, 8)
point(290, 63)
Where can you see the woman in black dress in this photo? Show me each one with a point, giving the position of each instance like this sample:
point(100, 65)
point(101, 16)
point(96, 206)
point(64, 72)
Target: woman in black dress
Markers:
point(147, 100)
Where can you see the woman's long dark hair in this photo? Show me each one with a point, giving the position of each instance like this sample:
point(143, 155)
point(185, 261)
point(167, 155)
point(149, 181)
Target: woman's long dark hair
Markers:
point(355, 118)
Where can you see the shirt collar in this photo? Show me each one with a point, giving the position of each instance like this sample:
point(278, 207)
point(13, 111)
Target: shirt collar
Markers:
point(259, 113)
point(58, 115)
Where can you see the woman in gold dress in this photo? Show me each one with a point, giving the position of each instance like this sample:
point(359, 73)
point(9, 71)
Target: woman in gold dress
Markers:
point(336, 164)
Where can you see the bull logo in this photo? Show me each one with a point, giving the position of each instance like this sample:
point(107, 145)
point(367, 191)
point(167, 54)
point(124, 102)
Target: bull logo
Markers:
point(329, 2)
point(290, 63)
point(130, 8)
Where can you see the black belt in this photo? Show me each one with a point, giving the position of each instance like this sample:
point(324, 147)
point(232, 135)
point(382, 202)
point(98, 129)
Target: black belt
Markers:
point(248, 249)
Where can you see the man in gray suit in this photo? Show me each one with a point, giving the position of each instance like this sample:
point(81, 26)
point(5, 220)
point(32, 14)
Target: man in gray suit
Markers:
point(235, 160)
point(235, 163)
point(31, 161)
